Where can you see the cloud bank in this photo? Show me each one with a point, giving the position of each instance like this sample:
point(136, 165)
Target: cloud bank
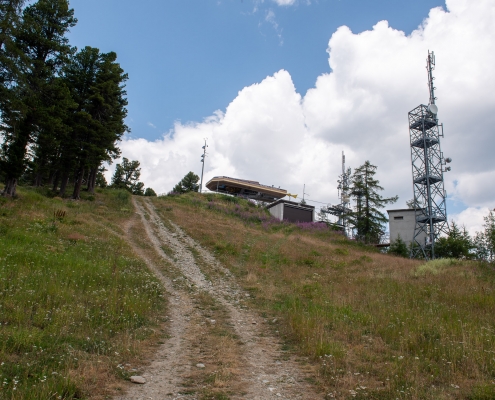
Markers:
point(272, 134)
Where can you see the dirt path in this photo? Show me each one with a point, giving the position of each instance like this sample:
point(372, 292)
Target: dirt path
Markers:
point(264, 370)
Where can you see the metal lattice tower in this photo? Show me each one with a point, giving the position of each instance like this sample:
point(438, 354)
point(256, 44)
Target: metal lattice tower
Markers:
point(427, 171)
point(343, 209)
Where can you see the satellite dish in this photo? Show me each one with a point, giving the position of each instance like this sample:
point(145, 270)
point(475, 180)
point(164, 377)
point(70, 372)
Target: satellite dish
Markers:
point(433, 109)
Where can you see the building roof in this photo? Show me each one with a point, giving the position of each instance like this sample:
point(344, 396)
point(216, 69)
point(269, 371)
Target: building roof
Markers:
point(238, 186)
point(291, 203)
point(402, 210)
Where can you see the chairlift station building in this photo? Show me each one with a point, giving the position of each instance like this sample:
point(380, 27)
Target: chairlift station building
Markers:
point(279, 208)
point(245, 188)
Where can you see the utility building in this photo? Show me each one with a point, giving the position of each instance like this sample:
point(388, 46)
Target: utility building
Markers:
point(291, 211)
point(402, 223)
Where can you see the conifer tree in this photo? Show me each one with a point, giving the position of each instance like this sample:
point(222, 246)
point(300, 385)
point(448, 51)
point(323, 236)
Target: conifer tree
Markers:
point(489, 234)
point(126, 176)
point(39, 100)
point(367, 218)
point(457, 244)
point(10, 17)
point(96, 82)
point(399, 248)
point(149, 192)
point(187, 184)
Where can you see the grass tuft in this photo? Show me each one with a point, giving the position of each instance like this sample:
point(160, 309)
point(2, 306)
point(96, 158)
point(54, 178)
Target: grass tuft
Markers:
point(435, 267)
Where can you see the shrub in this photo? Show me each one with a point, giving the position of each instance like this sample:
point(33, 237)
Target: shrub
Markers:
point(399, 248)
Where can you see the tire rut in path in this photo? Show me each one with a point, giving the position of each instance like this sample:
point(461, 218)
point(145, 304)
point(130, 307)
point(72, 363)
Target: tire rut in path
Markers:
point(267, 371)
point(164, 374)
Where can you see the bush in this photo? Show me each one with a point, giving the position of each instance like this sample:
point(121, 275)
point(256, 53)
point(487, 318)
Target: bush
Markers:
point(456, 245)
point(149, 192)
point(399, 248)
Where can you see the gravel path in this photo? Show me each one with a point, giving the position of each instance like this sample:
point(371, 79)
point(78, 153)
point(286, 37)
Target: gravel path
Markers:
point(266, 372)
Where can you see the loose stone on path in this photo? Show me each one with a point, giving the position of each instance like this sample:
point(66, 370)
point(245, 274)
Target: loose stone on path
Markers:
point(138, 379)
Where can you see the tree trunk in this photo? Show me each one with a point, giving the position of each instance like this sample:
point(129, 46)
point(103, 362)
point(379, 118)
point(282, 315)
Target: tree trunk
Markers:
point(14, 156)
point(38, 180)
point(76, 195)
point(65, 181)
point(51, 176)
point(10, 187)
point(56, 180)
point(83, 178)
point(92, 180)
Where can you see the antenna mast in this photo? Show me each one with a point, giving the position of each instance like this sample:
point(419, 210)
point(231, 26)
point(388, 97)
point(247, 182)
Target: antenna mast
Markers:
point(203, 157)
point(343, 209)
point(428, 166)
point(430, 66)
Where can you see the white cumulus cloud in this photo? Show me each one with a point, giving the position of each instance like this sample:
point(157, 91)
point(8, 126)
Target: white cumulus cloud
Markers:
point(472, 218)
point(273, 134)
point(285, 2)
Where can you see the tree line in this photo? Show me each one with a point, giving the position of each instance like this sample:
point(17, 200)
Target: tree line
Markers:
point(62, 110)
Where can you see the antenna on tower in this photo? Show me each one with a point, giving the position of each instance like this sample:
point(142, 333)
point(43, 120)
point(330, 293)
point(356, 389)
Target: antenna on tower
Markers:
point(430, 66)
point(343, 209)
point(427, 170)
point(203, 157)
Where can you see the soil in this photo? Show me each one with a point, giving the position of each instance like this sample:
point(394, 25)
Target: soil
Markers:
point(216, 345)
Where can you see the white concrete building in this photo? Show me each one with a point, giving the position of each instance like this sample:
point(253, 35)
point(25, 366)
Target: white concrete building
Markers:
point(402, 222)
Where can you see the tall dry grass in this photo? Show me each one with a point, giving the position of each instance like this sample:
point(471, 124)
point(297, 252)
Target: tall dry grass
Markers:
point(377, 326)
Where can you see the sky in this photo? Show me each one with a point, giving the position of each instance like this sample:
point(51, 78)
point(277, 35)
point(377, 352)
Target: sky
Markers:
point(281, 87)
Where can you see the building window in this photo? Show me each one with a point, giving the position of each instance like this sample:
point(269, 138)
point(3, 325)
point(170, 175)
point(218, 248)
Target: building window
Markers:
point(401, 217)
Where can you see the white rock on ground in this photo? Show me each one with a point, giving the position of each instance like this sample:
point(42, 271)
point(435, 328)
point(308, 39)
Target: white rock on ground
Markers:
point(138, 379)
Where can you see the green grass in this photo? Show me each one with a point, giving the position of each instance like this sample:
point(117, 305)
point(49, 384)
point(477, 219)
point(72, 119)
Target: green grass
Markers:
point(435, 267)
point(73, 298)
point(399, 328)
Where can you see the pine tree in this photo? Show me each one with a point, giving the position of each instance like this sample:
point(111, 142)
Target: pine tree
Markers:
point(126, 176)
point(480, 247)
point(149, 192)
point(10, 17)
point(96, 82)
point(100, 178)
point(399, 248)
point(188, 184)
point(367, 218)
point(490, 235)
point(457, 244)
point(38, 101)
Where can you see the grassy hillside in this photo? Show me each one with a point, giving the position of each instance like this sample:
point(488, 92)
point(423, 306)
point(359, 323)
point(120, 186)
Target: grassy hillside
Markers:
point(375, 326)
point(76, 306)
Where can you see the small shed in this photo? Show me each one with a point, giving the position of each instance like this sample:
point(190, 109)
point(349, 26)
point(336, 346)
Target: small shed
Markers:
point(403, 222)
point(291, 211)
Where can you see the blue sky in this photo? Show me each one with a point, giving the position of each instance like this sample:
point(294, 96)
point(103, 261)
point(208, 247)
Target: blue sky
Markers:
point(281, 90)
point(188, 58)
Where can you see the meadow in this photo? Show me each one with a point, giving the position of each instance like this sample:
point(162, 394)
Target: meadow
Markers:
point(77, 308)
point(373, 326)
